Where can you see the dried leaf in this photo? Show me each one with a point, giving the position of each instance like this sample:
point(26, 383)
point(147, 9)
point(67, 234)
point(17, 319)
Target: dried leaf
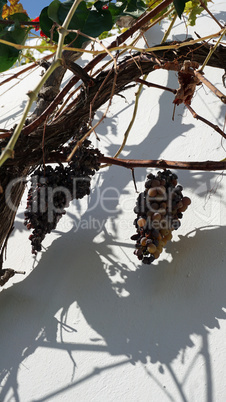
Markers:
point(187, 83)
point(12, 9)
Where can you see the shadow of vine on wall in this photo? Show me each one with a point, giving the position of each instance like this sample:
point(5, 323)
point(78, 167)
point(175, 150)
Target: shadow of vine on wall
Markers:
point(147, 323)
point(137, 316)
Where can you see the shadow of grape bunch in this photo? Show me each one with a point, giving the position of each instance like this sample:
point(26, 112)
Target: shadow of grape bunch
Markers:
point(148, 313)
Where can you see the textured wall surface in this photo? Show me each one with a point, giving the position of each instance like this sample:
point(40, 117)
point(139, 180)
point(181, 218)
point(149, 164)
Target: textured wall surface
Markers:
point(88, 322)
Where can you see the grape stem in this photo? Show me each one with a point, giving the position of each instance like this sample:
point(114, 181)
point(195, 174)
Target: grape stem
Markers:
point(216, 91)
point(56, 157)
point(28, 23)
point(164, 164)
point(198, 117)
point(152, 85)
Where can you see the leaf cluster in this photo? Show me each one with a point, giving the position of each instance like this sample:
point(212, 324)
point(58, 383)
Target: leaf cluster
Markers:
point(15, 7)
point(91, 18)
point(14, 33)
point(192, 9)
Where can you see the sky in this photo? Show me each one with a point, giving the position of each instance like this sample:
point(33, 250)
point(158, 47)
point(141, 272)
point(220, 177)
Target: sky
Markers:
point(34, 7)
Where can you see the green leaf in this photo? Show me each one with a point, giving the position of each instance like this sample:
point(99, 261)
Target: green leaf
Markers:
point(79, 17)
point(91, 22)
point(19, 17)
point(193, 9)
point(100, 3)
point(98, 21)
point(14, 34)
point(46, 24)
point(2, 3)
point(116, 9)
point(53, 11)
point(134, 8)
point(8, 56)
point(179, 6)
point(77, 22)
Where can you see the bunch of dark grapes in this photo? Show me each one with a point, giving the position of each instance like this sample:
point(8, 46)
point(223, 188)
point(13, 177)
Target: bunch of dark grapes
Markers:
point(159, 210)
point(52, 189)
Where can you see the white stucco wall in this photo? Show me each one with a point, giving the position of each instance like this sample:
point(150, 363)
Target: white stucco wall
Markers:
point(88, 322)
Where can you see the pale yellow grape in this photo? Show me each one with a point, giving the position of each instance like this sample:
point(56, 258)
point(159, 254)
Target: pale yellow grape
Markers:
point(164, 232)
point(156, 216)
point(162, 243)
point(143, 241)
point(141, 222)
point(161, 190)
point(151, 248)
point(168, 237)
point(159, 249)
point(152, 192)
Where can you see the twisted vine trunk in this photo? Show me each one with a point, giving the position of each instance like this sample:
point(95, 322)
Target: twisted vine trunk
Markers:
point(28, 153)
point(11, 197)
